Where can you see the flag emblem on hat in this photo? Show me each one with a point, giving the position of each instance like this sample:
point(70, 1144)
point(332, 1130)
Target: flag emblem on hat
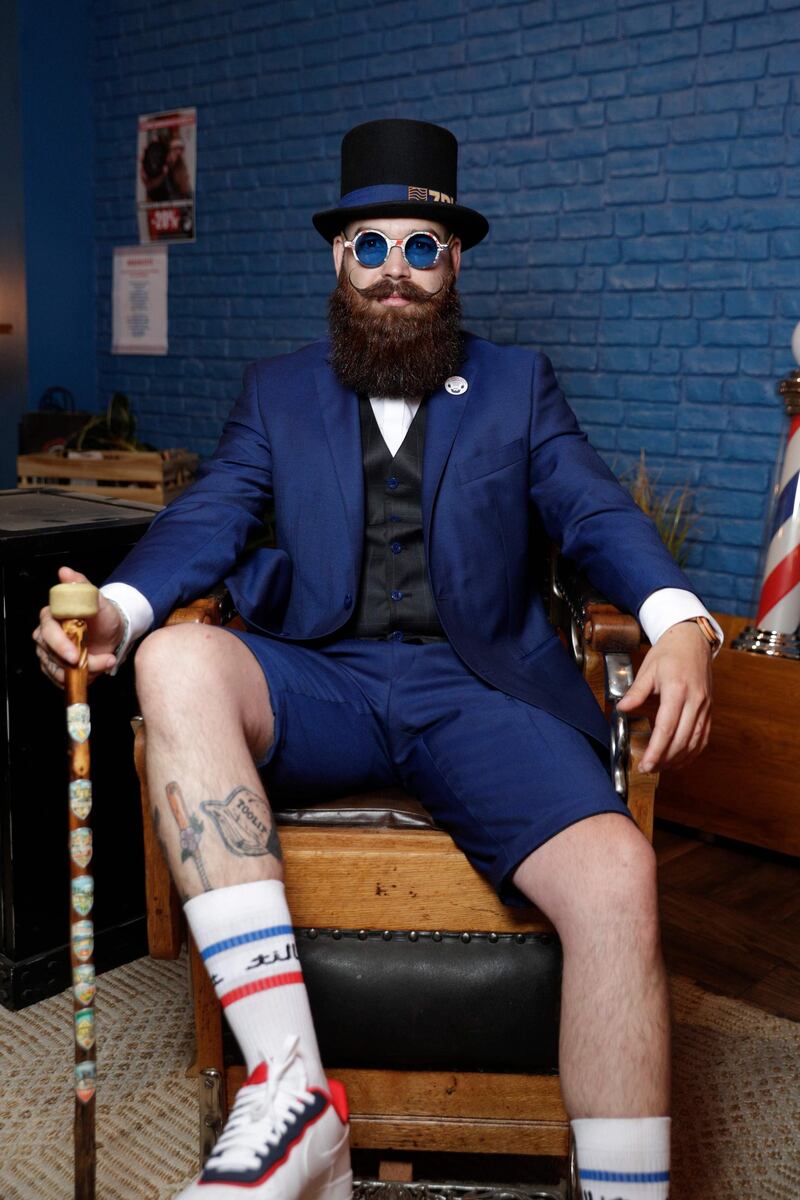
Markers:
point(419, 193)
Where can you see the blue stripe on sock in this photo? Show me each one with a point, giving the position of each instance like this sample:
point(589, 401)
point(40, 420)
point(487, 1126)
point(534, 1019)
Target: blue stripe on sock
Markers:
point(626, 1176)
point(242, 939)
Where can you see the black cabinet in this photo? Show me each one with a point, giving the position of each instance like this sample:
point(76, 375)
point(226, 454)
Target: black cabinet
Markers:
point(40, 530)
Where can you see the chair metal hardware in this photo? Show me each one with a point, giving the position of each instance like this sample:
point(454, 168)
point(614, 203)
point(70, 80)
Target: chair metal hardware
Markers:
point(210, 1110)
point(576, 640)
point(573, 1175)
point(421, 936)
point(379, 1189)
point(619, 677)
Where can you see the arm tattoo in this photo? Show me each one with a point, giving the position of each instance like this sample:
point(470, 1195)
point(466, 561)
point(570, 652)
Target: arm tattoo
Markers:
point(191, 829)
point(244, 822)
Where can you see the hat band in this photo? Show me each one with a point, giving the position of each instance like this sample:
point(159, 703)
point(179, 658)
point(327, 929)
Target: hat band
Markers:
point(382, 193)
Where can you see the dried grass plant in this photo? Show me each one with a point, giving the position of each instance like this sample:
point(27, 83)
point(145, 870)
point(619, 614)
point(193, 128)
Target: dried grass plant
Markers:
point(669, 510)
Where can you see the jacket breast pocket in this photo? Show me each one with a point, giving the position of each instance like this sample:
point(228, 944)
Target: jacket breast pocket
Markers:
point(491, 460)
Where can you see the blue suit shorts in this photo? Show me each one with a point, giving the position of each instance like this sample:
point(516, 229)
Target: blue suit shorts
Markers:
point(500, 775)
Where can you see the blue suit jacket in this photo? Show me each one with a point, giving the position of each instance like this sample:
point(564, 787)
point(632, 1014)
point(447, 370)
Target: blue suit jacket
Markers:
point(503, 462)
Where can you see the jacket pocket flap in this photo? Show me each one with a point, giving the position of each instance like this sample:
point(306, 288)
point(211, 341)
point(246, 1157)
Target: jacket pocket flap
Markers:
point(491, 460)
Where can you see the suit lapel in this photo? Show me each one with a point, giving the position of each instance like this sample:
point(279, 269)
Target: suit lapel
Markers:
point(443, 418)
point(340, 416)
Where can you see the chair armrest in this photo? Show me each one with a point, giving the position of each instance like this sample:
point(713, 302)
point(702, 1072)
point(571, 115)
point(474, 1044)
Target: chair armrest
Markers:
point(603, 638)
point(214, 609)
point(593, 621)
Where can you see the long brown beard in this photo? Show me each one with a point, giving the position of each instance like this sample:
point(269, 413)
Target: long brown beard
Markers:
point(395, 351)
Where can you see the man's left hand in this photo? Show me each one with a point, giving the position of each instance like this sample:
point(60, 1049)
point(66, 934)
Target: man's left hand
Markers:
point(678, 669)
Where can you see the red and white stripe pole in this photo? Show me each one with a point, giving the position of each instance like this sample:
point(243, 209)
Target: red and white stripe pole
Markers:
point(777, 627)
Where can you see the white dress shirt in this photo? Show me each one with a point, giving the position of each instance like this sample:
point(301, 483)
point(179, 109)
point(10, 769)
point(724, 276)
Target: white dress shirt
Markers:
point(662, 608)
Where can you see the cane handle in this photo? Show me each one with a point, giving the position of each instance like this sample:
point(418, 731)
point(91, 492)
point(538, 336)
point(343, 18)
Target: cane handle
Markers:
point(73, 600)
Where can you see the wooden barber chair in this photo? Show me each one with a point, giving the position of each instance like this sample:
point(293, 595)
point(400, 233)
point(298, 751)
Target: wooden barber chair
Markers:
point(436, 1005)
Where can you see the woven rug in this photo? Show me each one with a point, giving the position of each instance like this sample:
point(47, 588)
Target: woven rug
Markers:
point(736, 1094)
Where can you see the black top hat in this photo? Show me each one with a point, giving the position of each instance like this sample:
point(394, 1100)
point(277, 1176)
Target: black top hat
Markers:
point(401, 168)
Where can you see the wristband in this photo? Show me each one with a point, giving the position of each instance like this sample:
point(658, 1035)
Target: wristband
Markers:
point(708, 631)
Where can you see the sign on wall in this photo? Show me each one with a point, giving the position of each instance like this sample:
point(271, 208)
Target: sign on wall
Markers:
point(165, 176)
point(139, 301)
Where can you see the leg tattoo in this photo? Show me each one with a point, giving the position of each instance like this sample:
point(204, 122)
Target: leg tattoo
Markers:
point(191, 829)
point(244, 822)
point(160, 839)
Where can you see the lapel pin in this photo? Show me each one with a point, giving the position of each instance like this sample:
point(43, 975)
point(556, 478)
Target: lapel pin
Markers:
point(456, 385)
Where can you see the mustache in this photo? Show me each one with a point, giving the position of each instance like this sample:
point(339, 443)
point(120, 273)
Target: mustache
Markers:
point(404, 288)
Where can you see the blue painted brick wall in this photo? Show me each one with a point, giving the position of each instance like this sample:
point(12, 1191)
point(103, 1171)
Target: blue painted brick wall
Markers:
point(640, 164)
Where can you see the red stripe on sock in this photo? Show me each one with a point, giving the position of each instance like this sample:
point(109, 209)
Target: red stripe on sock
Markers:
point(260, 985)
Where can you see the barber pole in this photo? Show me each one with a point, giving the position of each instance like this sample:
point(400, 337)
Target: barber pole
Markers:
point(777, 627)
point(779, 606)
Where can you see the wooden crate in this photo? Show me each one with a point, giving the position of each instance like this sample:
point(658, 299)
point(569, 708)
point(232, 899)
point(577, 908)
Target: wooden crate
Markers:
point(156, 477)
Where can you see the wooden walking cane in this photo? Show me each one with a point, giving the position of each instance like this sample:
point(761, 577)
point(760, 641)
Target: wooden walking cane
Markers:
point(71, 604)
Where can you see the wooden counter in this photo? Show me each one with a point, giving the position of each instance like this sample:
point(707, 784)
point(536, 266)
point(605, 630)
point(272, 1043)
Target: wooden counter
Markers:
point(746, 784)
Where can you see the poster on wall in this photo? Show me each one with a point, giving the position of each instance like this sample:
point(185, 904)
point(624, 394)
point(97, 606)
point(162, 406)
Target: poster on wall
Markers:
point(139, 300)
point(165, 176)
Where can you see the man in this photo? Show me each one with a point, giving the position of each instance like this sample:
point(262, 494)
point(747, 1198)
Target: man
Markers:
point(395, 635)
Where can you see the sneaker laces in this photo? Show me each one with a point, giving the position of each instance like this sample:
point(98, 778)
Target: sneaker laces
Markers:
point(262, 1112)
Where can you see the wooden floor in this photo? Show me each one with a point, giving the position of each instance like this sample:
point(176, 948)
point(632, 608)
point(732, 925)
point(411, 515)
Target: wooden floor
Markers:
point(730, 917)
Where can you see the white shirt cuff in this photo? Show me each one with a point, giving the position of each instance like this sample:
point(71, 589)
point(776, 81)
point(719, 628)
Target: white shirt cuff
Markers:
point(666, 607)
point(137, 613)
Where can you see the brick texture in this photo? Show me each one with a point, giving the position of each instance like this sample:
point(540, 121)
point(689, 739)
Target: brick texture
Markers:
point(639, 163)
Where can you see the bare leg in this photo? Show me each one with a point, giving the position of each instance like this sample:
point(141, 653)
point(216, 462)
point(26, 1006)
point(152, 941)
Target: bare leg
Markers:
point(206, 707)
point(596, 881)
point(208, 716)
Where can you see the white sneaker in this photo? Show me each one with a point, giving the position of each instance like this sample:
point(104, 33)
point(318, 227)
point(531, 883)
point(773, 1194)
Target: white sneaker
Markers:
point(284, 1140)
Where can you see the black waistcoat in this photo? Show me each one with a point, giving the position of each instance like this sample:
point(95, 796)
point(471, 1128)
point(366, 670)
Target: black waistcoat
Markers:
point(394, 594)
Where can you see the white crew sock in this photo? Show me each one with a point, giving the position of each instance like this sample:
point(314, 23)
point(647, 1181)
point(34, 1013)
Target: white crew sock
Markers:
point(623, 1158)
point(245, 936)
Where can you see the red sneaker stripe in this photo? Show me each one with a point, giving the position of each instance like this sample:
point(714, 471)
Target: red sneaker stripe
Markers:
point(339, 1099)
point(258, 1075)
point(260, 985)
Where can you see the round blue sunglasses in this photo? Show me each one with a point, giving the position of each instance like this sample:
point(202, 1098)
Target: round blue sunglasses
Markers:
point(421, 250)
